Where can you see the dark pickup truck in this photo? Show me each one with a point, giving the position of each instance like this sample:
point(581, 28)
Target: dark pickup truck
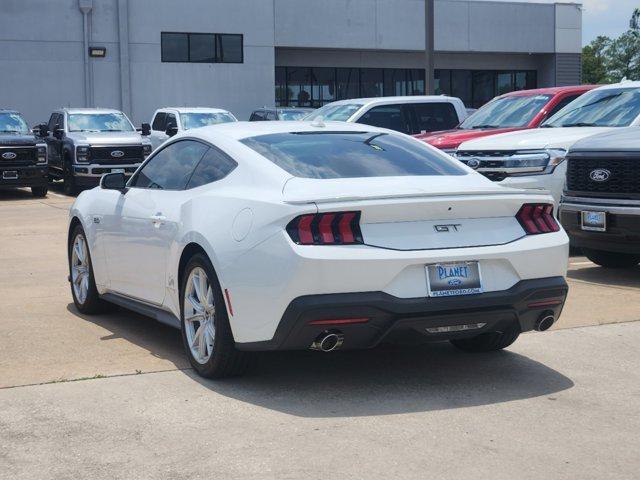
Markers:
point(600, 208)
point(23, 155)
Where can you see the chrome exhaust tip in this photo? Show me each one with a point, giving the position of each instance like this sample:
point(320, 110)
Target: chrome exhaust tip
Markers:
point(328, 341)
point(545, 322)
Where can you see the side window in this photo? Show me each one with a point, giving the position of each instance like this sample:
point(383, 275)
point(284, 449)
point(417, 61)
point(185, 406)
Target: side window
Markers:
point(430, 117)
point(215, 165)
point(159, 122)
point(257, 116)
point(561, 104)
point(386, 116)
point(171, 121)
point(271, 116)
point(171, 167)
point(54, 120)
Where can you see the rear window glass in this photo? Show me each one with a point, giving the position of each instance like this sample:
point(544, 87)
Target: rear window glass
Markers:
point(351, 155)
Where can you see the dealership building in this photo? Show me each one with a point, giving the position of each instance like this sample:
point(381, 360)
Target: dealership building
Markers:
point(139, 55)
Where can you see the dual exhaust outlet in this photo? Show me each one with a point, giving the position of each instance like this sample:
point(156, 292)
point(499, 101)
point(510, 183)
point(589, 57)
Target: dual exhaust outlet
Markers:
point(328, 341)
point(331, 340)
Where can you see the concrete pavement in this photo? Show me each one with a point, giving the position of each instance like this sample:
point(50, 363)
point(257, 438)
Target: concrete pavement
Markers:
point(563, 404)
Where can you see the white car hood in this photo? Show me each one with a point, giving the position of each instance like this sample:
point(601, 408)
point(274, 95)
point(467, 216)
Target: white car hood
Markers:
point(107, 138)
point(538, 138)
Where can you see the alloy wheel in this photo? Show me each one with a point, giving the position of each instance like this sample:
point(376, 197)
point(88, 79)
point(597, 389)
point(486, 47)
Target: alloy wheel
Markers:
point(80, 268)
point(199, 315)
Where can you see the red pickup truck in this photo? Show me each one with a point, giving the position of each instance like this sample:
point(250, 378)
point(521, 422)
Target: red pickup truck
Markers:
point(509, 112)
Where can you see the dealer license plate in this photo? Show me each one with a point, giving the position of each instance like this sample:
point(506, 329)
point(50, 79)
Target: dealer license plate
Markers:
point(9, 175)
point(456, 278)
point(593, 221)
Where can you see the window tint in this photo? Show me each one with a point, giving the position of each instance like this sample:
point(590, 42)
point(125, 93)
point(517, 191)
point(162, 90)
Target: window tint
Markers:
point(351, 155)
point(386, 116)
point(171, 121)
point(174, 47)
point(171, 167)
point(430, 117)
point(561, 104)
point(257, 116)
point(214, 166)
point(53, 121)
point(159, 121)
point(230, 48)
point(202, 48)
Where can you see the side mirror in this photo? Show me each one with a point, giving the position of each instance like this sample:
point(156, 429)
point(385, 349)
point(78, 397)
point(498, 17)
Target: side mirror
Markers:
point(171, 130)
point(41, 130)
point(145, 130)
point(114, 181)
point(58, 132)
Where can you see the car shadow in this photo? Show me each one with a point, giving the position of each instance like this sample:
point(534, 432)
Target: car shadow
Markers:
point(383, 381)
point(595, 274)
point(16, 194)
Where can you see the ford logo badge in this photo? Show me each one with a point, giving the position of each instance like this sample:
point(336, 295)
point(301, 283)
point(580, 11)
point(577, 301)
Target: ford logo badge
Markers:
point(117, 154)
point(600, 175)
point(455, 282)
point(473, 163)
point(9, 155)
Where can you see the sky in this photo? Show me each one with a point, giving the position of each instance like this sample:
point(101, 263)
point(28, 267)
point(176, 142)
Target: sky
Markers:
point(600, 17)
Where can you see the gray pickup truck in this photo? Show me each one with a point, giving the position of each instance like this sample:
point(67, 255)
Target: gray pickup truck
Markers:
point(600, 208)
point(23, 155)
point(85, 143)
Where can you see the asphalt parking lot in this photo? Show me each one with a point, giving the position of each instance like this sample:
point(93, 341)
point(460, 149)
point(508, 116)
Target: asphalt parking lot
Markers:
point(112, 396)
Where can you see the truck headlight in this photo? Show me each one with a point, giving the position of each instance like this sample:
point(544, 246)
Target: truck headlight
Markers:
point(41, 151)
point(82, 154)
point(556, 157)
point(146, 150)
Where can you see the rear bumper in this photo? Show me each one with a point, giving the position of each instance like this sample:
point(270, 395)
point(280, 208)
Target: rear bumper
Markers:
point(623, 226)
point(26, 176)
point(390, 317)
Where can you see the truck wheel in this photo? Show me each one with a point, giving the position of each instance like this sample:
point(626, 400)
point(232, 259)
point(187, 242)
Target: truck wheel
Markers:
point(39, 192)
point(69, 184)
point(611, 259)
point(490, 341)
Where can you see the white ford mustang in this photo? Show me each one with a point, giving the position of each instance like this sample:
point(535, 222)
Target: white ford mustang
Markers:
point(295, 235)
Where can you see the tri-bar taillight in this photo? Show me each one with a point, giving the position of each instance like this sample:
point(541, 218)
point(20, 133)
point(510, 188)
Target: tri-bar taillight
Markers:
point(537, 218)
point(331, 228)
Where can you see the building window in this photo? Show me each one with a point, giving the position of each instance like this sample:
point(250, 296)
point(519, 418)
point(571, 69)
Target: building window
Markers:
point(201, 47)
point(230, 48)
point(316, 86)
point(477, 87)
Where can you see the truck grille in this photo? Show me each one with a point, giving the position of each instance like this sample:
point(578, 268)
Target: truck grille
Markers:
point(623, 175)
point(104, 155)
point(23, 156)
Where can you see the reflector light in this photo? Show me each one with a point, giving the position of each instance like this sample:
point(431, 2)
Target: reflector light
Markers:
point(339, 321)
point(544, 303)
point(332, 228)
point(537, 218)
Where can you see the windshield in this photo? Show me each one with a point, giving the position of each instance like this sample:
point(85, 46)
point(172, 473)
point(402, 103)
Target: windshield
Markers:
point(351, 155)
point(338, 113)
point(505, 112)
point(293, 114)
point(196, 120)
point(610, 107)
point(99, 122)
point(12, 123)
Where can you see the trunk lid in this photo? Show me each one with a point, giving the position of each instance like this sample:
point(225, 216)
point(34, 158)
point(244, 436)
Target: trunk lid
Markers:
point(418, 213)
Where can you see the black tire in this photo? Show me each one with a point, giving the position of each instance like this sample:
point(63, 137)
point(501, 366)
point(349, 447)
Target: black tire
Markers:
point(39, 192)
point(611, 259)
point(225, 360)
point(68, 180)
point(93, 303)
point(490, 341)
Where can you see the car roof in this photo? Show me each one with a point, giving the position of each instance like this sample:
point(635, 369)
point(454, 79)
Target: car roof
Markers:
point(399, 99)
point(550, 90)
point(88, 110)
point(242, 130)
point(194, 109)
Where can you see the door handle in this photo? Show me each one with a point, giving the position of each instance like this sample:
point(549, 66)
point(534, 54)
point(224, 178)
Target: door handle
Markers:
point(158, 219)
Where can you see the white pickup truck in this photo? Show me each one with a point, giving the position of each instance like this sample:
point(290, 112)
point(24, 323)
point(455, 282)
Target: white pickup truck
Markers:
point(535, 159)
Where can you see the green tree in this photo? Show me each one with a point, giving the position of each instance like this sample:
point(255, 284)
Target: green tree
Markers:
point(594, 68)
point(623, 57)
